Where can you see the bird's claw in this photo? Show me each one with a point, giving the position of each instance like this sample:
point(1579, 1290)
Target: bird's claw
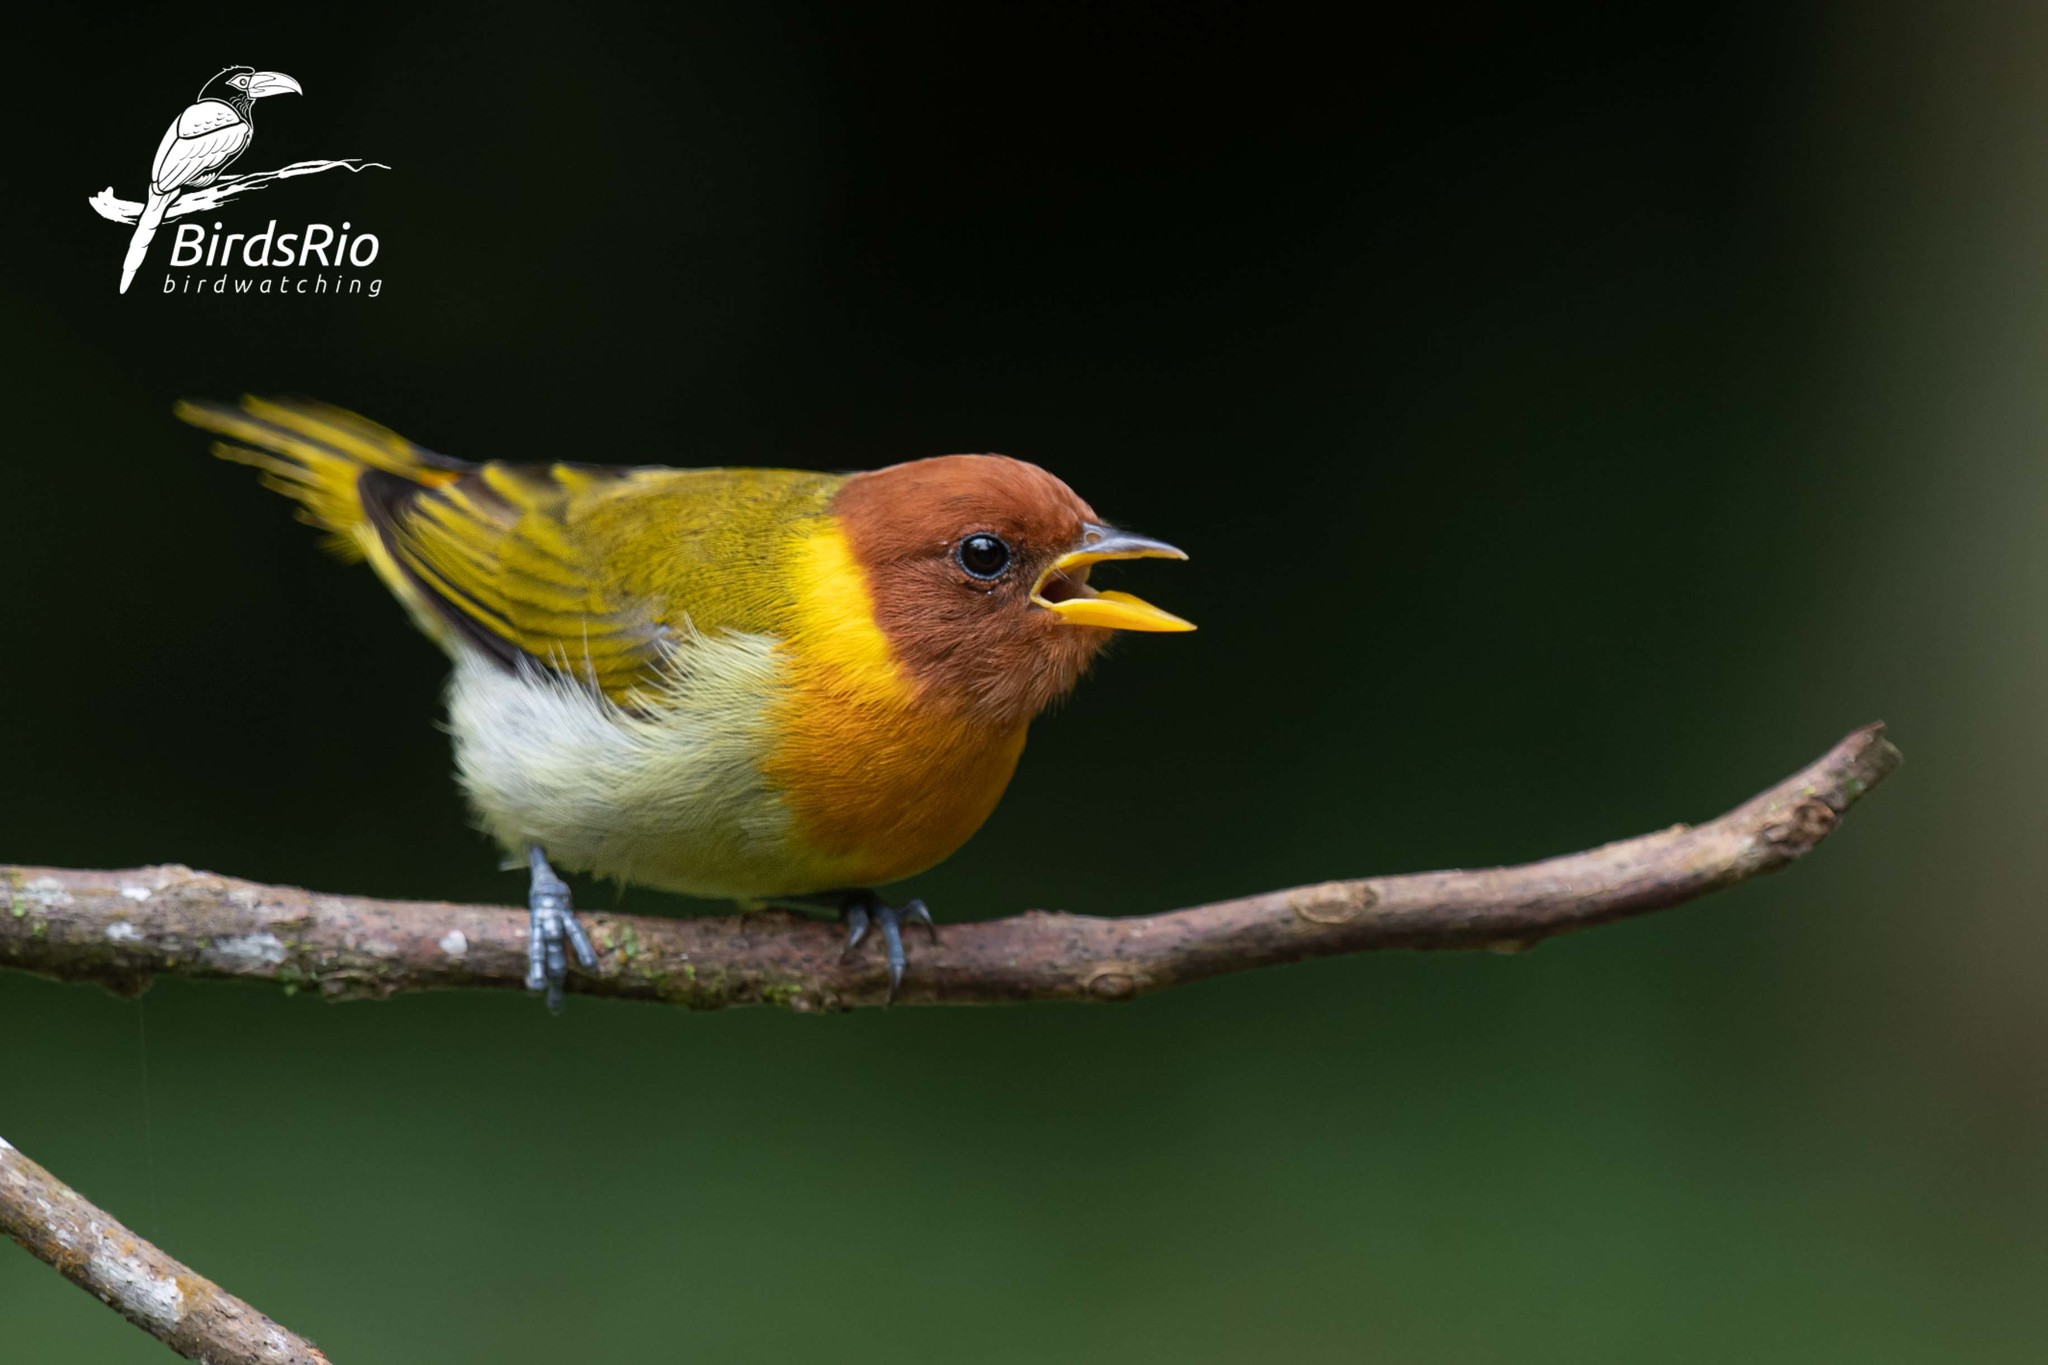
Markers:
point(869, 909)
point(552, 933)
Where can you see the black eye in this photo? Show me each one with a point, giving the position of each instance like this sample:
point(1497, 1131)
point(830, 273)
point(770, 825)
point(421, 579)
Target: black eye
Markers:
point(983, 555)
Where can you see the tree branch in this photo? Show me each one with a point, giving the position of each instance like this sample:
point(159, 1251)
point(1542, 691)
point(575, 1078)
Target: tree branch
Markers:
point(185, 1311)
point(222, 190)
point(118, 928)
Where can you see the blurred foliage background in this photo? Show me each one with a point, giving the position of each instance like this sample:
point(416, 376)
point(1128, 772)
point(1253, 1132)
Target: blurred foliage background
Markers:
point(1578, 420)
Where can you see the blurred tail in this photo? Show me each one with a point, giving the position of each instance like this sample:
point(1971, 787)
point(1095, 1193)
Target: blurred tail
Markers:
point(145, 232)
point(317, 456)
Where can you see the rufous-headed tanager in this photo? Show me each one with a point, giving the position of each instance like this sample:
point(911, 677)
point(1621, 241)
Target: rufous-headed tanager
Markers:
point(757, 684)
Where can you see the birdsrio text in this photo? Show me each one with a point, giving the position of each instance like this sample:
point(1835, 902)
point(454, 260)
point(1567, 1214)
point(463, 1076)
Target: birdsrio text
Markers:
point(316, 245)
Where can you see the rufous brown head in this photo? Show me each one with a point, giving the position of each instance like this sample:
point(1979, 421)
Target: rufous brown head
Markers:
point(978, 566)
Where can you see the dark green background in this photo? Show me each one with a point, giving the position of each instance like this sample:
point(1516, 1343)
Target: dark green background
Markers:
point(1577, 419)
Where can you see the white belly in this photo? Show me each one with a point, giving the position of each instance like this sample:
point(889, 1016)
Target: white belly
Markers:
point(672, 798)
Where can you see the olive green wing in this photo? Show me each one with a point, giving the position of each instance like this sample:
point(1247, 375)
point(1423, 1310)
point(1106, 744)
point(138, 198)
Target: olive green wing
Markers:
point(492, 557)
point(594, 572)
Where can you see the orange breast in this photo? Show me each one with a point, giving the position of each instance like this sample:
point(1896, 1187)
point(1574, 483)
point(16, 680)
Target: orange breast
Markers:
point(877, 794)
point(880, 783)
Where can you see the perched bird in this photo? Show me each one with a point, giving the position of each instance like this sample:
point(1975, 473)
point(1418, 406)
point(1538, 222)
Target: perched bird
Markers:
point(199, 144)
point(757, 684)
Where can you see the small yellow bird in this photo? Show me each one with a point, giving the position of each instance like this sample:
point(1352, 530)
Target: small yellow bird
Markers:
point(759, 684)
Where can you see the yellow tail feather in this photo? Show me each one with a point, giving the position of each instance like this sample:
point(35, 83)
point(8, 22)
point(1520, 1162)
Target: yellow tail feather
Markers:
point(315, 455)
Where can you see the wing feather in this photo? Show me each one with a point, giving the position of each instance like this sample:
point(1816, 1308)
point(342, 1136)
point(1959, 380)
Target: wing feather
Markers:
point(489, 551)
point(601, 573)
point(182, 157)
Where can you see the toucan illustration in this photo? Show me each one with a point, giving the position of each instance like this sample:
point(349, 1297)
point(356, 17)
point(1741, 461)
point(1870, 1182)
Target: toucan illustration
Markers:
point(198, 146)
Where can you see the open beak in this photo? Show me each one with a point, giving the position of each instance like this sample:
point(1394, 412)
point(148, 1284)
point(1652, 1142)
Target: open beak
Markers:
point(1064, 589)
point(272, 83)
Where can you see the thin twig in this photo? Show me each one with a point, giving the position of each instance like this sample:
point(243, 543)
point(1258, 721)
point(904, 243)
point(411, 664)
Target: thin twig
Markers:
point(164, 1297)
point(120, 928)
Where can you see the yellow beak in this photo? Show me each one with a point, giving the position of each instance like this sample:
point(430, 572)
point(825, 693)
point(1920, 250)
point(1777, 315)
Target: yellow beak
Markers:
point(1064, 589)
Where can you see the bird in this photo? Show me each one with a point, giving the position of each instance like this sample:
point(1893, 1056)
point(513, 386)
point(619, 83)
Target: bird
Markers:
point(199, 145)
point(774, 686)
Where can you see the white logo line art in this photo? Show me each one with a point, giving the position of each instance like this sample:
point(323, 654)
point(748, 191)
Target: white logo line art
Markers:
point(188, 175)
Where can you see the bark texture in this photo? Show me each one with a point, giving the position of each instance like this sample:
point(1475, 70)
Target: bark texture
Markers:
point(120, 928)
point(164, 1297)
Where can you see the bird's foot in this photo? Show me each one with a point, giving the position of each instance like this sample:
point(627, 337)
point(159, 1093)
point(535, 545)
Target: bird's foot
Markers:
point(864, 909)
point(552, 932)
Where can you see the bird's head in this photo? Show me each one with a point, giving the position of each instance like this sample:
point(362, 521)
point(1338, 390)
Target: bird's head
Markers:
point(978, 567)
point(238, 85)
